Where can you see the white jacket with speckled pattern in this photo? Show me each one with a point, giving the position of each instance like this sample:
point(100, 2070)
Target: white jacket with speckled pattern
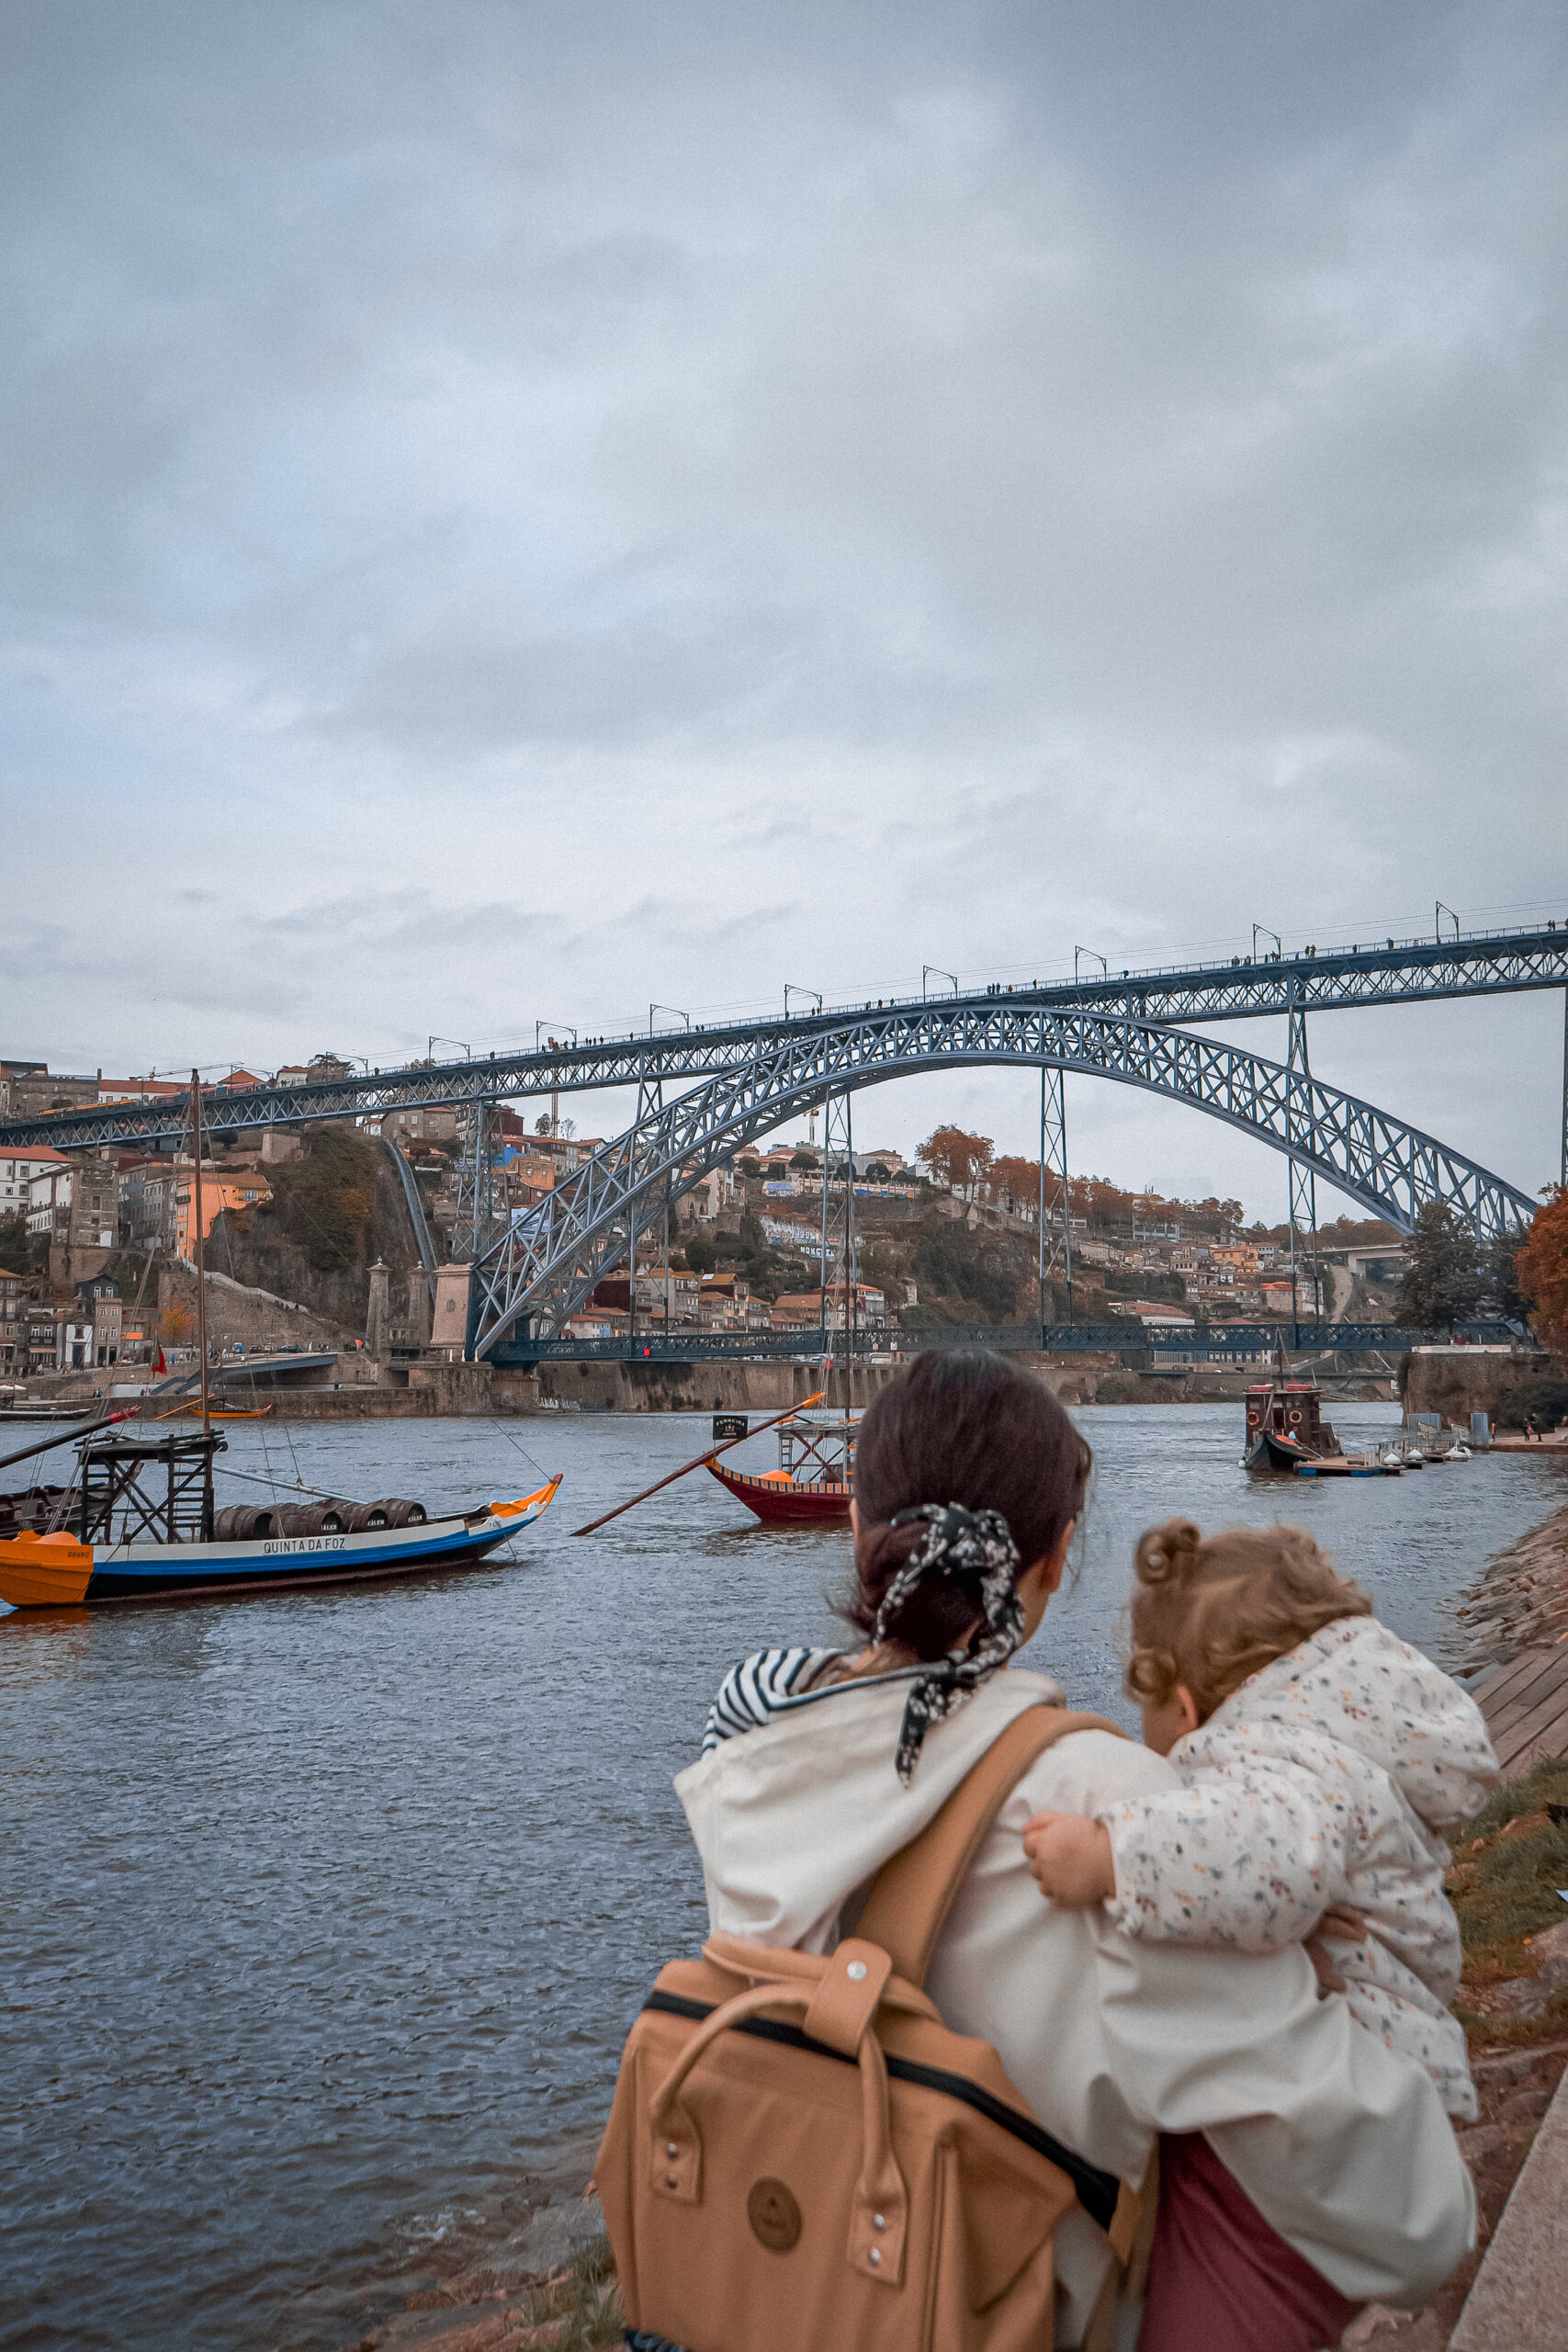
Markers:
point(1325, 1780)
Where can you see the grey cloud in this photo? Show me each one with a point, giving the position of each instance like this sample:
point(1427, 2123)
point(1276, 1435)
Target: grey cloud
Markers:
point(1082, 475)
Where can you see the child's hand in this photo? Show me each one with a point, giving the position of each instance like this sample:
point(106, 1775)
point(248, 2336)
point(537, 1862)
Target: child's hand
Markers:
point(1341, 1925)
point(1070, 1859)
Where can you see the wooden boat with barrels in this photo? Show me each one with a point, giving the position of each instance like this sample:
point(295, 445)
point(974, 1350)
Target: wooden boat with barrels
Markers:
point(811, 1485)
point(138, 1522)
point(1285, 1426)
point(118, 1532)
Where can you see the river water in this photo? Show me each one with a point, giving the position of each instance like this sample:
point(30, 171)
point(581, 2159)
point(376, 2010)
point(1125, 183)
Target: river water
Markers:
point(322, 1915)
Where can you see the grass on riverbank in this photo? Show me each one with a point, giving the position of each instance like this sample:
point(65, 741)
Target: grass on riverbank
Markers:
point(578, 2311)
point(1508, 1864)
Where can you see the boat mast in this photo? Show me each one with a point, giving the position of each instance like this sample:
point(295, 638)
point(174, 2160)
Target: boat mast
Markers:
point(201, 1303)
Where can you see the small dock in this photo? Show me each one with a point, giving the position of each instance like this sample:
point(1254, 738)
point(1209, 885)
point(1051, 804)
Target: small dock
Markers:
point(1526, 1706)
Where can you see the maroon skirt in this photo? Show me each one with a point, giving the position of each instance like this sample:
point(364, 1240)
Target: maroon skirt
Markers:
point(1220, 2279)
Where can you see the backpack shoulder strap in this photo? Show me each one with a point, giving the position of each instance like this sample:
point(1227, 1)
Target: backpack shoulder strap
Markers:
point(913, 1892)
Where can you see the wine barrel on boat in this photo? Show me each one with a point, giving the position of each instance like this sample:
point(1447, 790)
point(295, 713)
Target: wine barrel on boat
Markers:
point(401, 1513)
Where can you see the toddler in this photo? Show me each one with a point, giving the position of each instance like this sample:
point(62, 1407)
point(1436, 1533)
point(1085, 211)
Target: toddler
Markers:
point(1319, 1758)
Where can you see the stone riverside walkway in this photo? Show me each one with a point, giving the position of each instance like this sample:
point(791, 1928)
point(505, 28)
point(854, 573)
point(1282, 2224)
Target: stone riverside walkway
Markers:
point(1519, 2300)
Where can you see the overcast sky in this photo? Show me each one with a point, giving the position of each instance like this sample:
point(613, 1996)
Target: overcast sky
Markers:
point(515, 510)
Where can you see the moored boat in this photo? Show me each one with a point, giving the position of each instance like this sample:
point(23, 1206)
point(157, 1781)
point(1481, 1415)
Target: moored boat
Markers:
point(112, 1536)
point(1285, 1426)
point(812, 1484)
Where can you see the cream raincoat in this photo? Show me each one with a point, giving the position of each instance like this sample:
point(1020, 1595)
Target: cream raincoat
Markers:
point(1343, 2145)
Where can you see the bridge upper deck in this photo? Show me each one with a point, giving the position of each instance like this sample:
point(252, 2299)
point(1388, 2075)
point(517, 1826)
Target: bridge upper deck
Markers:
point(1387, 971)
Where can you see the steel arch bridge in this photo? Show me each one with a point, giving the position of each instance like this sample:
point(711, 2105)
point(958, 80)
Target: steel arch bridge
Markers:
point(1400, 972)
point(548, 1259)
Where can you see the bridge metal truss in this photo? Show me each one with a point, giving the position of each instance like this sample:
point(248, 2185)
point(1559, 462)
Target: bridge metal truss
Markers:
point(550, 1258)
point(1303, 1184)
point(1391, 972)
point(1229, 1343)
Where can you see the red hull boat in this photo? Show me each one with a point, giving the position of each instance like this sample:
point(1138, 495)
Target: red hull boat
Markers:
point(780, 1501)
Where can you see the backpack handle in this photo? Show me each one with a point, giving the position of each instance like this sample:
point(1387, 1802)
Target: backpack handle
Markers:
point(879, 2211)
point(913, 1892)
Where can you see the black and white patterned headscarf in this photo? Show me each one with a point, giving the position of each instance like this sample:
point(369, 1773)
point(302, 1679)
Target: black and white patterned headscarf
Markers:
point(975, 1546)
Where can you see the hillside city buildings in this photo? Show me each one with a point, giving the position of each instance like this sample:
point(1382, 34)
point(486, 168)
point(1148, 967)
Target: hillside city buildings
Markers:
point(79, 1209)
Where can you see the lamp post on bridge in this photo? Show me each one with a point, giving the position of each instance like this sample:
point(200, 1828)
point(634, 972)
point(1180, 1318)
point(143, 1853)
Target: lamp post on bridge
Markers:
point(926, 971)
point(554, 1090)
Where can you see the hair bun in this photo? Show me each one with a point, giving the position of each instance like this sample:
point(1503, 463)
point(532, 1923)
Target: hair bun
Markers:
point(1167, 1553)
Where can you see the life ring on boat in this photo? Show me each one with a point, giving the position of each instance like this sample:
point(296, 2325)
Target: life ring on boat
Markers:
point(1295, 1416)
point(1253, 1419)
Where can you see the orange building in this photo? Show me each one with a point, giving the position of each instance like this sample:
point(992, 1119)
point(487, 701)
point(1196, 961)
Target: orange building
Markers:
point(178, 1219)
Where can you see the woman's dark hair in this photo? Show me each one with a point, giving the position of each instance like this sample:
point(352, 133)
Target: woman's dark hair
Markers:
point(965, 1426)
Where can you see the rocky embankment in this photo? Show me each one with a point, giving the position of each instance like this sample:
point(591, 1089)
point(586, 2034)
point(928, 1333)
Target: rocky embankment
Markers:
point(1520, 1599)
point(551, 2284)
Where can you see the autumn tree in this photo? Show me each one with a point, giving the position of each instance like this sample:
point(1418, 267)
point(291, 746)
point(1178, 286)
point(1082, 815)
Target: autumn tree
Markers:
point(1020, 1180)
point(957, 1159)
point(1541, 1269)
point(1443, 1279)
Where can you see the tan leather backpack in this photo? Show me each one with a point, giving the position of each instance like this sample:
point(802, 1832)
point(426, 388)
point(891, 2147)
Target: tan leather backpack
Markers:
point(800, 2155)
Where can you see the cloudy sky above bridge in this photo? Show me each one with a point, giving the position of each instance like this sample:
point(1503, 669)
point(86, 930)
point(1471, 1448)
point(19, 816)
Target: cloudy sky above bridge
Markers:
point(517, 509)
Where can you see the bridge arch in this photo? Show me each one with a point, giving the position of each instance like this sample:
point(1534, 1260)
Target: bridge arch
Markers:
point(548, 1259)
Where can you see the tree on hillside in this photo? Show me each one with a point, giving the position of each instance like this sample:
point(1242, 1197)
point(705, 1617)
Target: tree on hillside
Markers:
point(1018, 1180)
point(323, 1200)
point(957, 1159)
point(21, 1252)
point(1103, 1203)
point(1442, 1278)
point(1541, 1269)
point(960, 1266)
point(1502, 1277)
point(1213, 1215)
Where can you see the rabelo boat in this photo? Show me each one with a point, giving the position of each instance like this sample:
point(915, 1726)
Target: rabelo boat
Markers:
point(1285, 1426)
point(138, 1522)
point(811, 1485)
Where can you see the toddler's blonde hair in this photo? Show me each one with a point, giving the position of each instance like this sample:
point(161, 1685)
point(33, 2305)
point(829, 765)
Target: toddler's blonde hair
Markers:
point(1210, 1610)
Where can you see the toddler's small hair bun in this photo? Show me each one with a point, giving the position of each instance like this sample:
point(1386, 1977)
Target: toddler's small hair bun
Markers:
point(1167, 1553)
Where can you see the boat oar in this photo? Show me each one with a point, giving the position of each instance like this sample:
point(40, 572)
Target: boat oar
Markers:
point(711, 1455)
point(67, 1437)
